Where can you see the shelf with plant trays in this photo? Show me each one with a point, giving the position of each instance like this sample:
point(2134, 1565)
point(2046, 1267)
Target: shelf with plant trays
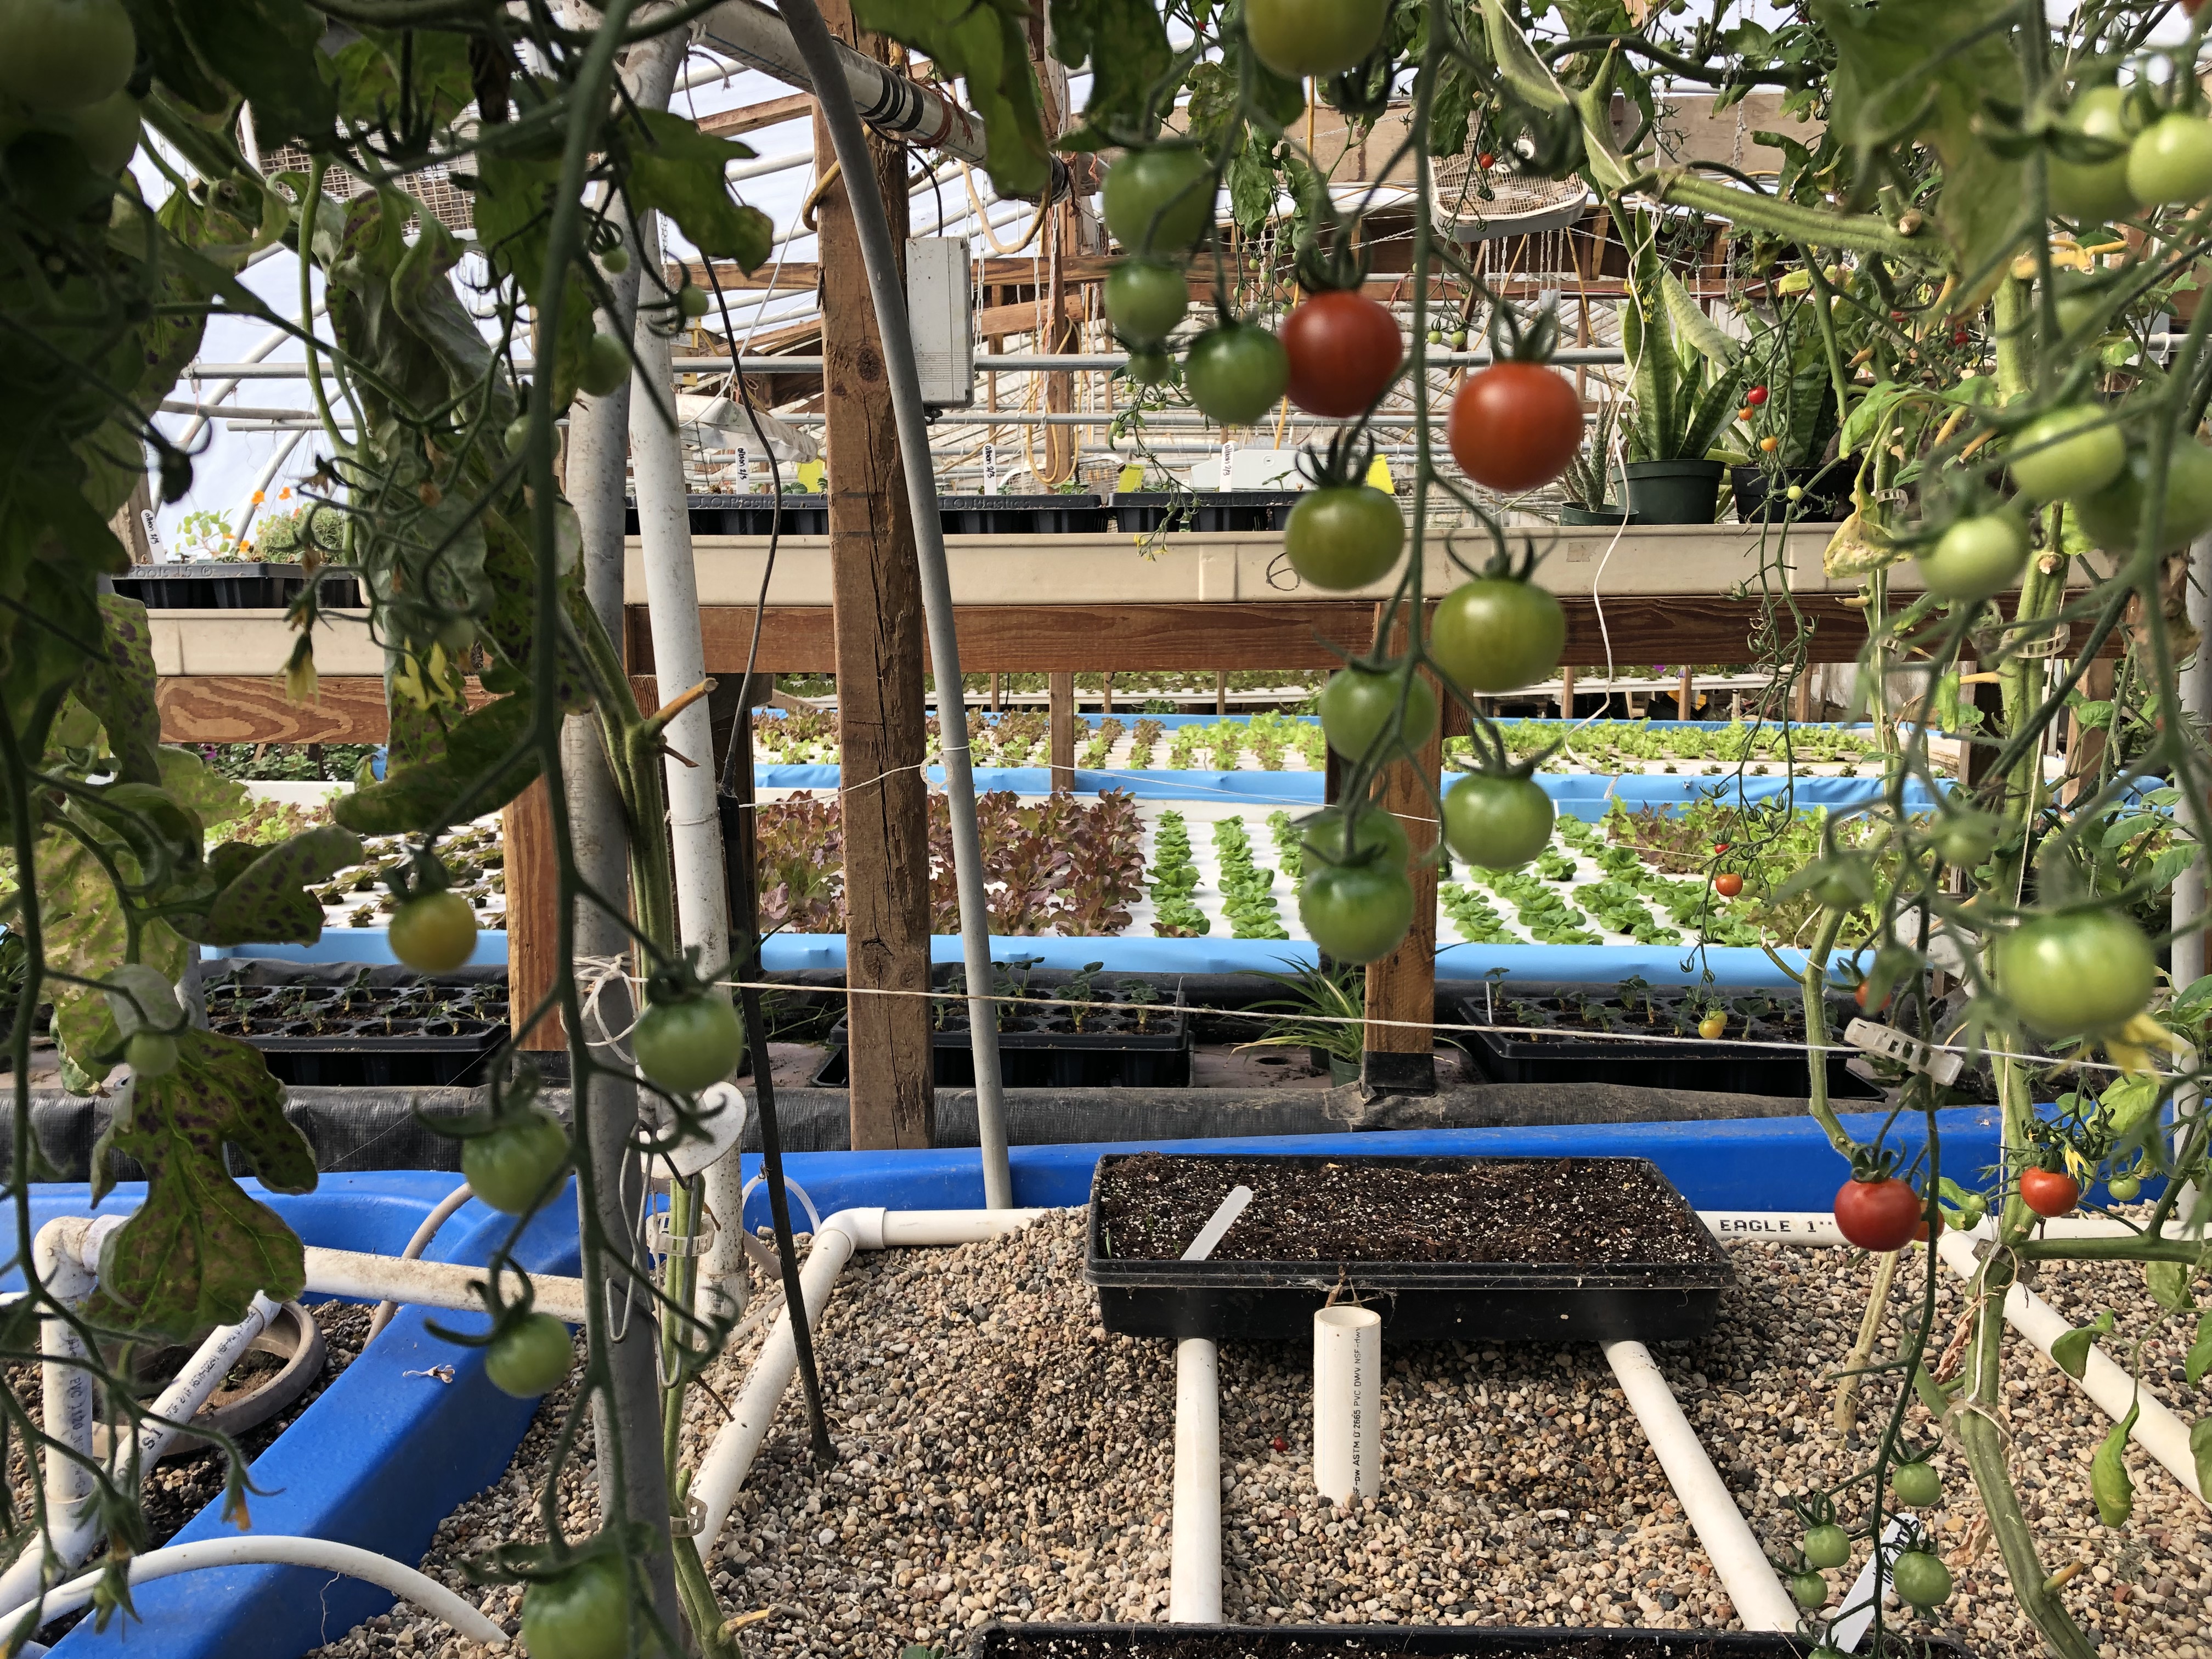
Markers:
point(1116, 1034)
point(343, 1026)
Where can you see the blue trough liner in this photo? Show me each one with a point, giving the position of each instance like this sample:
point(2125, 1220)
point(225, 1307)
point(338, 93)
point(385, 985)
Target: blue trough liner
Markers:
point(383, 1456)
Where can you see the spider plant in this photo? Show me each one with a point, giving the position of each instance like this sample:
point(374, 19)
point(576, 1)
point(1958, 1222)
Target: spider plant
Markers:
point(1324, 1010)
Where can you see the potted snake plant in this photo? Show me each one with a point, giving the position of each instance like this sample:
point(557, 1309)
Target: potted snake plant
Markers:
point(1686, 375)
point(1584, 482)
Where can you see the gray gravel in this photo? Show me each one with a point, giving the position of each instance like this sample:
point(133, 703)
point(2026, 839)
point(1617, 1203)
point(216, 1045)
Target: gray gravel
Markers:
point(1002, 1457)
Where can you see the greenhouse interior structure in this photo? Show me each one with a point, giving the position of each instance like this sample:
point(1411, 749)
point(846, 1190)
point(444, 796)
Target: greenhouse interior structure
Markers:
point(1088, 828)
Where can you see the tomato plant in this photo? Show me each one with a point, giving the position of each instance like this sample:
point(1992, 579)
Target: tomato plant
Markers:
point(2112, 516)
point(2094, 188)
point(1827, 1545)
point(605, 367)
point(687, 1045)
point(65, 54)
point(1344, 536)
point(1808, 1589)
point(1498, 822)
point(1877, 1215)
point(1728, 884)
point(581, 1614)
point(1356, 912)
point(1920, 1577)
point(511, 1165)
point(2067, 452)
point(1917, 1485)
point(434, 932)
point(531, 1356)
point(2171, 160)
point(1374, 830)
point(1344, 351)
point(1713, 1026)
point(1236, 373)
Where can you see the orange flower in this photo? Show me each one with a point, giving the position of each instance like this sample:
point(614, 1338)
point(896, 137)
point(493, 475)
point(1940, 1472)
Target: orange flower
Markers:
point(285, 494)
point(257, 498)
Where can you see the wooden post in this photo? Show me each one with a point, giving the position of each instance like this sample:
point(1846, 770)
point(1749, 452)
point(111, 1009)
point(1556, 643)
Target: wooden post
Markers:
point(876, 587)
point(997, 680)
point(533, 914)
point(129, 524)
point(1801, 695)
point(1566, 694)
point(1061, 716)
point(2085, 744)
point(1106, 705)
point(1401, 988)
point(1683, 693)
point(1220, 693)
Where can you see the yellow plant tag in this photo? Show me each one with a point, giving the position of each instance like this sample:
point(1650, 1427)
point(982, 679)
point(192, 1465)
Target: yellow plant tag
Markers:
point(812, 475)
point(1132, 479)
point(1379, 476)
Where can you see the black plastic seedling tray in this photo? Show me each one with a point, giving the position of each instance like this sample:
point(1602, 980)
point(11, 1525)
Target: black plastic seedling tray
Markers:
point(221, 585)
point(1230, 1299)
point(1214, 511)
point(1719, 1068)
point(804, 514)
point(1043, 1050)
point(997, 1641)
point(1020, 515)
point(375, 1028)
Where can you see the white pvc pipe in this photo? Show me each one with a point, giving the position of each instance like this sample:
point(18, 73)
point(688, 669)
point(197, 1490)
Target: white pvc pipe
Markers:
point(1745, 1572)
point(320, 1554)
point(268, 477)
point(730, 1457)
point(419, 1242)
point(429, 1283)
point(2157, 1430)
point(1347, 1403)
point(1194, 1577)
point(65, 1384)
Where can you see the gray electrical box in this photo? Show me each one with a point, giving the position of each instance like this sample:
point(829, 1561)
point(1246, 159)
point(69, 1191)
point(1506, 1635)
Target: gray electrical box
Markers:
point(940, 312)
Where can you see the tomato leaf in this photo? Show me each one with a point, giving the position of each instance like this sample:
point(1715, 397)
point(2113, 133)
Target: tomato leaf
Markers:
point(2200, 1449)
point(266, 901)
point(1126, 42)
point(2199, 1359)
point(2168, 1282)
point(986, 44)
point(2071, 1351)
point(680, 170)
point(422, 795)
point(2109, 1482)
point(267, 50)
point(119, 688)
point(196, 1251)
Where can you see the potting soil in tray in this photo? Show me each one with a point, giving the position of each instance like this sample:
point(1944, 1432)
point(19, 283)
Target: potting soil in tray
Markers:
point(1575, 1052)
point(407, 1031)
point(1518, 1249)
point(1295, 1641)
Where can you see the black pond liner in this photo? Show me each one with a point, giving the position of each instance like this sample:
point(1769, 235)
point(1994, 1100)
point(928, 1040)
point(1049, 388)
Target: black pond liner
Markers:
point(1050, 1054)
point(1719, 1068)
point(222, 585)
point(1041, 1641)
point(1419, 1301)
point(1214, 511)
point(379, 1028)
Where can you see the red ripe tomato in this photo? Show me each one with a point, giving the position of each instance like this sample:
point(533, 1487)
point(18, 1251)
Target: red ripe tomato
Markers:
point(1756, 395)
point(1344, 349)
point(1728, 884)
point(1878, 1215)
point(1720, 846)
point(1514, 426)
point(2049, 1192)
point(1486, 158)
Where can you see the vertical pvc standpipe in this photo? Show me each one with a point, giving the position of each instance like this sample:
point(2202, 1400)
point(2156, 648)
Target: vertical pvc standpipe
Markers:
point(819, 50)
point(1347, 1403)
point(679, 662)
point(1195, 1572)
point(2189, 887)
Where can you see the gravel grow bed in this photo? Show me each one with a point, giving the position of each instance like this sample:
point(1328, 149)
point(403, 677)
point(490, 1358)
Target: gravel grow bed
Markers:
point(1002, 1457)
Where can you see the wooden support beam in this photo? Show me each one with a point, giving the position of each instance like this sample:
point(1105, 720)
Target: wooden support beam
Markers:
point(1400, 1058)
point(770, 113)
point(1220, 692)
point(1566, 694)
point(1683, 693)
point(877, 623)
point(1060, 702)
point(2085, 744)
point(533, 915)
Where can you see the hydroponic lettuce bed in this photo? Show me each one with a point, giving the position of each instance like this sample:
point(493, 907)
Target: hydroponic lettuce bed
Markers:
point(1001, 1456)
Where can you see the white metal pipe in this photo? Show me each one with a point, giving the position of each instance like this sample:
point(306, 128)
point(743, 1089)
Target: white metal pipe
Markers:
point(1745, 1572)
point(738, 172)
point(429, 1283)
point(722, 1471)
point(268, 477)
point(320, 1553)
point(1347, 1389)
point(261, 347)
point(1194, 1574)
point(65, 1384)
point(2196, 688)
point(2157, 1430)
point(419, 1242)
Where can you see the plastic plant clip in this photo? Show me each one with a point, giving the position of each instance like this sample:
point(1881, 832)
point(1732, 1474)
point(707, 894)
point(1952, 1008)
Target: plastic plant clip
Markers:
point(1909, 1052)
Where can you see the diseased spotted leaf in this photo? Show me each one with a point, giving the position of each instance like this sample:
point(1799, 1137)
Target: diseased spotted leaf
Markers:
point(196, 1250)
point(266, 902)
point(120, 689)
point(478, 749)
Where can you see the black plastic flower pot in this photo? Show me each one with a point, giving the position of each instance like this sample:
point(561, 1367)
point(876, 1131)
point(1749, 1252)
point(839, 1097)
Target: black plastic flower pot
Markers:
point(1571, 514)
point(1444, 1249)
point(1042, 1641)
point(1564, 1054)
point(1762, 494)
point(1673, 492)
point(222, 585)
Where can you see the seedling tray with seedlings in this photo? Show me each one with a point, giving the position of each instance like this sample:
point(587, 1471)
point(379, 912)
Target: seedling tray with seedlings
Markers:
point(365, 1025)
point(229, 585)
point(476, 861)
point(1087, 1033)
point(1581, 1033)
point(1553, 1249)
point(997, 1641)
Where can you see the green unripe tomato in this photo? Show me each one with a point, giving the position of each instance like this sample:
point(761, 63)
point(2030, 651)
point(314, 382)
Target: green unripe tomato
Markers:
point(693, 303)
point(1808, 1589)
point(1356, 912)
point(511, 1165)
point(2094, 189)
point(615, 259)
point(582, 1615)
point(2068, 451)
point(152, 1054)
point(517, 436)
point(1145, 300)
point(1357, 709)
point(2124, 1189)
point(2112, 517)
point(1159, 200)
point(530, 1357)
point(2072, 973)
point(1342, 537)
point(606, 365)
point(2171, 160)
point(1976, 557)
point(1236, 373)
point(1827, 1545)
point(434, 932)
point(1921, 1578)
point(1498, 823)
point(1376, 831)
point(1298, 37)
point(1151, 368)
point(1917, 1485)
point(688, 1046)
point(64, 54)
point(1965, 839)
point(105, 130)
